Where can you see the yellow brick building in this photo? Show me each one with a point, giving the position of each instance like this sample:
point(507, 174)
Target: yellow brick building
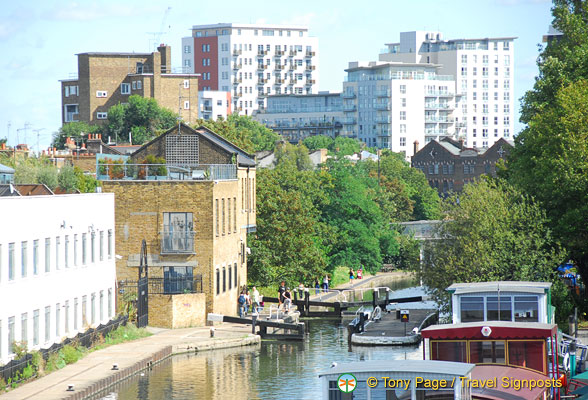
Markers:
point(194, 214)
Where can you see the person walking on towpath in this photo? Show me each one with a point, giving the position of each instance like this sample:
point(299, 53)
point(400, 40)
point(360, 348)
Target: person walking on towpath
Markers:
point(255, 299)
point(351, 276)
point(242, 301)
point(281, 291)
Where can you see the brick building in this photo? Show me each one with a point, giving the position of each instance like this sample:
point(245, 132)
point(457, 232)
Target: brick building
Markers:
point(448, 165)
point(106, 79)
point(194, 214)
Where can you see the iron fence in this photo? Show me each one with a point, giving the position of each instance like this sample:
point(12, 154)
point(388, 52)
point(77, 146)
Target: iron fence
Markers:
point(166, 285)
point(202, 172)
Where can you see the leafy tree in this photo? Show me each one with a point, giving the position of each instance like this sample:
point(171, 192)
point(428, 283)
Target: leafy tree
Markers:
point(291, 242)
point(47, 175)
point(77, 130)
point(318, 142)
point(344, 146)
point(67, 179)
point(244, 132)
point(492, 232)
point(142, 117)
point(85, 183)
point(296, 156)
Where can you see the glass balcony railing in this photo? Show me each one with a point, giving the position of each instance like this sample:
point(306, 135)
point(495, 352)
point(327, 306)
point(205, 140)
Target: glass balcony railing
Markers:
point(131, 172)
point(175, 242)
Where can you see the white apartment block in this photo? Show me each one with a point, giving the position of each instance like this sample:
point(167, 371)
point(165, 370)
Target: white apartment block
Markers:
point(484, 79)
point(393, 105)
point(214, 104)
point(252, 61)
point(57, 268)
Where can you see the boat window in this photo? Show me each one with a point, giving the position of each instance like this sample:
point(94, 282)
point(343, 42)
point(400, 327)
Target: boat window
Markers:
point(448, 351)
point(527, 354)
point(441, 394)
point(382, 393)
point(496, 313)
point(487, 352)
point(526, 308)
point(336, 394)
point(472, 309)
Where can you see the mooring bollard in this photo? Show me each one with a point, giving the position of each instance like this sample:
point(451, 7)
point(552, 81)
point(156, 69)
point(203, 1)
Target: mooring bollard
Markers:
point(212, 331)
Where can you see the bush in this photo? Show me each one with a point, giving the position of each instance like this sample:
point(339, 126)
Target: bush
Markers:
point(71, 354)
point(20, 349)
point(55, 361)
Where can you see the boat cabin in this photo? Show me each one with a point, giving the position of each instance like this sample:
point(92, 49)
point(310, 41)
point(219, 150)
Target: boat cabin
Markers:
point(519, 302)
point(502, 349)
point(397, 380)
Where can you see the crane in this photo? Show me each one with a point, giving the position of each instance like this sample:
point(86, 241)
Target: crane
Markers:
point(156, 36)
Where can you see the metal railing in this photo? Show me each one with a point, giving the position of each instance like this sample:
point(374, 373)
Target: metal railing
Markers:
point(165, 285)
point(201, 172)
point(181, 242)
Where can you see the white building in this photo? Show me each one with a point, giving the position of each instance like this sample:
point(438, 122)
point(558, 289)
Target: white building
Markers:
point(252, 61)
point(484, 79)
point(214, 104)
point(57, 268)
point(392, 105)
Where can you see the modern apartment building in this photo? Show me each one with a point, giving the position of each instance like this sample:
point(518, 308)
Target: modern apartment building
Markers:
point(57, 269)
point(391, 104)
point(297, 117)
point(252, 61)
point(214, 104)
point(106, 79)
point(483, 71)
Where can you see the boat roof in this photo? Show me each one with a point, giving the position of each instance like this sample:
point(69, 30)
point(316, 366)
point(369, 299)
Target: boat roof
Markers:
point(500, 330)
point(503, 286)
point(489, 372)
point(405, 366)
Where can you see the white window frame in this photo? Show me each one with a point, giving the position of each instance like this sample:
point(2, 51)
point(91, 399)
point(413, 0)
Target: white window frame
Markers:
point(186, 84)
point(125, 88)
point(186, 105)
point(139, 85)
point(101, 93)
point(73, 114)
point(101, 115)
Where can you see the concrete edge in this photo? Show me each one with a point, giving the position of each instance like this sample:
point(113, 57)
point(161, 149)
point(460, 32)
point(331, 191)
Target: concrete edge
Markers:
point(385, 340)
point(185, 348)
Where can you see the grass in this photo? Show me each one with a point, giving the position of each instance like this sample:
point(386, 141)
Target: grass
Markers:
point(341, 276)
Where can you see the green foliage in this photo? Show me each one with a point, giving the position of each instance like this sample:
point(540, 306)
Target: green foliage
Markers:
point(243, 131)
point(47, 175)
point(67, 179)
point(86, 183)
point(318, 142)
point(295, 156)
point(55, 361)
point(3, 384)
point(72, 353)
point(491, 232)
point(344, 146)
point(142, 117)
point(77, 130)
point(20, 349)
point(33, 170)
point(125, 333)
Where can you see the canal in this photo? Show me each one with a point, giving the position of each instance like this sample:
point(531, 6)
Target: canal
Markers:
point(275, 370)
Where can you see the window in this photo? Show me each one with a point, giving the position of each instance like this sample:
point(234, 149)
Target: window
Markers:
point(217, 230)
point(125, 88)
point(109, 243)
point(23, 259)
point(402, 89)
point(506, 72)
point(75, 314)
point(217, 281)
point(47, 323)
point(10, 335)
point(101, 305)
point(70, 112)
point(464, 71)
point(66, 306)
point(235, 274)
point(84, 251)
point(506, 96)
point(186, 105)
point(225, 279)
point(57, 320)
point(402, 141)
point(449, 351)
point(11, 261)
point(186, 84)
point(234, 215)
point(103, 93)
point(47, 254)
point(139, 84)
point(472, 308)
point(101, 252)
point(403, 115)
point(84, 310)
point(101, 115)
point(474, 71)
point(499, 312)
point(402, 128)
point(187, 63)
point(487, 352)
point(93, 308)
point(464, 59)
point(57, 248)
point(93, 247)
point(507, 133)
point(24, 322)
point(229, 215)
point(187, 50)
point(178, 236)
point(507, 121)
point(109, 303)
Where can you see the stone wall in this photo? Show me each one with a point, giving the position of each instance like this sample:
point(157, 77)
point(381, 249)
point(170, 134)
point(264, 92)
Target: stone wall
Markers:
point(177, 311)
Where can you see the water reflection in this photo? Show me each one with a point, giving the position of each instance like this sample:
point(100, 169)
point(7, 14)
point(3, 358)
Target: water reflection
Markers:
point(275, 370)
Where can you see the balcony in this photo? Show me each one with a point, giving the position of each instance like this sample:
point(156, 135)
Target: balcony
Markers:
point(292, 53)
point(279, 53)
point(261, 53)
point(349, 121)
point(237, 52)
point(207, 108)
point(280, 67)
point(310, 82)
point(310, 67)
point(348, 95)
point(178, 242)
point(292, 82)
point(382, 93)
point(383, 120)
point(435, 132)
point(292, 67)
point(279, 81)
point(310, 54)
point(438, 94)
point(349, 107)
point(236, 81)
point(165, 172)
point(382, 106)
point(436, 106)
point(237, 66)
point(261, 67)
point(261, 81)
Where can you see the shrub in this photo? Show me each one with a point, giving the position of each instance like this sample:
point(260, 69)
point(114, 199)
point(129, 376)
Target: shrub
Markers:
point(20, 349)
point(55, 361)
point(71, 354)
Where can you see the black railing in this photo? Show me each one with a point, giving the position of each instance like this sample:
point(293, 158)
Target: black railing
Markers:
point(170, 285)
point(177, 242)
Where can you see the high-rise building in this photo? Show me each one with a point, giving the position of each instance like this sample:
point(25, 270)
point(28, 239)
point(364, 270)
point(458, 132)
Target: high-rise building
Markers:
point(393, 105)
point(484, 79)
point(252, 61)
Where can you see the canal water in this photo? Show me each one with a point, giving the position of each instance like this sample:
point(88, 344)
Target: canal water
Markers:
point(276, 370)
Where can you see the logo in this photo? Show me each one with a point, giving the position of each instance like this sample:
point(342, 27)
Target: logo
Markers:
point(346, 383)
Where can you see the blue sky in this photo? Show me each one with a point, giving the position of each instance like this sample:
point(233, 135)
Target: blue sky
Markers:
point(39, 39)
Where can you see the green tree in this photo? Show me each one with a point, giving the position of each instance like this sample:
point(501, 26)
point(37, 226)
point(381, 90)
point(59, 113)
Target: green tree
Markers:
point(67, 179)
point(318, 142)
point(86, 183)
point(492, 232)
point(344, 146)
point(244, 132)
point(296, 156)
point(77, 130)
point(47, 175)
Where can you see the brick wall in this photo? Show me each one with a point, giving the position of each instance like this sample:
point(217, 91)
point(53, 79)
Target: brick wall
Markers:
point(177, 311)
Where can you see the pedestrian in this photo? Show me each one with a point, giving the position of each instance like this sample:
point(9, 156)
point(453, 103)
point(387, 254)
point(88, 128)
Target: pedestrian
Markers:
point(351, 275)
point(247, 302)
point(241, 302)
point(326, 282)
point(317, 286)
point(360, 273)
point(256, 299)
point(287, 300)
point(281, 291)
point(301, 290)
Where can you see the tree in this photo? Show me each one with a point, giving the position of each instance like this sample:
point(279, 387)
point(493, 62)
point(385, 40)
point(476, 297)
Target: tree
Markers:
point(86, 183)
point(318, 142)
point(550, 161)
point(77, 130)
point(296, 156)
point(67, 179)
point(344, 146)
point(492, 232)
point(244, 132)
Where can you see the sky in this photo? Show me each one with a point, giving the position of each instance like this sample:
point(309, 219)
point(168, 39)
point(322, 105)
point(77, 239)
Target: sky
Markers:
point(39, 39)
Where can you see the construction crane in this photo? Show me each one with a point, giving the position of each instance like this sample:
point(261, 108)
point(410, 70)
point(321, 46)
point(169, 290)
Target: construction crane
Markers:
point(156, 36)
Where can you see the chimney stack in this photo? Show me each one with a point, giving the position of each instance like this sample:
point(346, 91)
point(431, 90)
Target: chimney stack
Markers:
point(461, 141)
point(416, 147)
